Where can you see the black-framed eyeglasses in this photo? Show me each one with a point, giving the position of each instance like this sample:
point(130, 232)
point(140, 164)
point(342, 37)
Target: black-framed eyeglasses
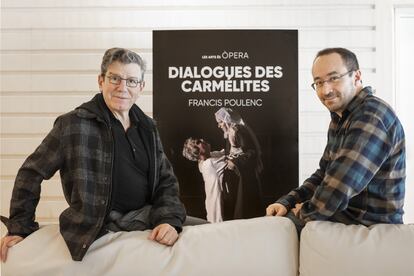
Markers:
point(332, 80)
point(130, 82)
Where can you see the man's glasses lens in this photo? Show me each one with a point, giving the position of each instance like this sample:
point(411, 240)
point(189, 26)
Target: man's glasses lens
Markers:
point(117, 80)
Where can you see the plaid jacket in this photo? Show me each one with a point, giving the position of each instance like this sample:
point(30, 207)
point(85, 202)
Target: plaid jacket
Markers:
point(80, 145)
point(361, 175)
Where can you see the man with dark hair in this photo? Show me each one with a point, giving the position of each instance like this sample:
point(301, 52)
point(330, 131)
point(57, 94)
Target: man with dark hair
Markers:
point(361, 175)
point(114, 172)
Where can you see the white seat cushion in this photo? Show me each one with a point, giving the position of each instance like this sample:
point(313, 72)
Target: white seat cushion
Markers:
point(328, 248)
point(260, 246)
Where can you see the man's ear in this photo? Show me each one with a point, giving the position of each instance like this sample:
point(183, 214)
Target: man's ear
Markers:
point(101, 79)
point(141, 86)
point(358, 79)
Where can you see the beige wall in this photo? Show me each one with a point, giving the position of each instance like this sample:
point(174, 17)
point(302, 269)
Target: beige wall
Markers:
point(51, 50)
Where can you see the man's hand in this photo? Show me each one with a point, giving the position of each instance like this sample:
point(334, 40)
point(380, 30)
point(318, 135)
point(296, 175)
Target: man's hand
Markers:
point(6, 243)
point(276, 209)
point(297, 208)
point(164, 234)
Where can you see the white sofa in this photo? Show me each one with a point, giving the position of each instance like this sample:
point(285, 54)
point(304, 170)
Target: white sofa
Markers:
point(260, 246)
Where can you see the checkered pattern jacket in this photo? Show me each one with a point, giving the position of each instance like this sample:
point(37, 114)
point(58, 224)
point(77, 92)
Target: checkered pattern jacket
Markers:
point(361, 175)
point(80, 146)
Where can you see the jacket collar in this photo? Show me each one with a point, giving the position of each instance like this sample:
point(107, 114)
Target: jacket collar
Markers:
point(97, 108)
point(353, 104)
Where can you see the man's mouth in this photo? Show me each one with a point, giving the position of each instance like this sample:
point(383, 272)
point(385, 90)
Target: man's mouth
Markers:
point(329, 99)
point(122, 98)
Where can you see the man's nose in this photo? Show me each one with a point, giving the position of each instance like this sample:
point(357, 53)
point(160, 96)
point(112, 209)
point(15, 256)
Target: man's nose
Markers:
point(122, 85)
point(326, 88)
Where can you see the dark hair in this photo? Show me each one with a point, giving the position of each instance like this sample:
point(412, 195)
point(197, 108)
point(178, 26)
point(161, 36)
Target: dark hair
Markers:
point(349, 58)
point(121, 55)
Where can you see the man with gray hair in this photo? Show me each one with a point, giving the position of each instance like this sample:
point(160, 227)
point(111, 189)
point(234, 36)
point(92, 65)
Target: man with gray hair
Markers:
point(114, 172)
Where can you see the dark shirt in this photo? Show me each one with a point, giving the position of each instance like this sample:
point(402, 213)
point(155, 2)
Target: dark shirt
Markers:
point(130, 186)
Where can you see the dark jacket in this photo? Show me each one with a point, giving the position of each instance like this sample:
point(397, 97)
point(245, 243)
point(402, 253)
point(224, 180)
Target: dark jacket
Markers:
point(81, 146)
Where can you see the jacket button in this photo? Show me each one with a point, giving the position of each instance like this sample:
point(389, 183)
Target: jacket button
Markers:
point(84, 246)
point(103, 202)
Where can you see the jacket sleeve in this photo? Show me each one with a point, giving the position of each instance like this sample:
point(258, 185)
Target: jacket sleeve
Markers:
point(307, 189)
point(41, 164)
point(167, 207)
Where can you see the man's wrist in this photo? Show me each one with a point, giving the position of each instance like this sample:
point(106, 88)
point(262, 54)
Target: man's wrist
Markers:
point(285, 203)
point(173, 222)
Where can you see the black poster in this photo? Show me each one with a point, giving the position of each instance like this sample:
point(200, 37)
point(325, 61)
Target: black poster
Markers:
point(231, 96)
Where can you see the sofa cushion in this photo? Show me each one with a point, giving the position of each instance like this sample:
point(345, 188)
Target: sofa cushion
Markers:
point(260, 246)
point(328, 248)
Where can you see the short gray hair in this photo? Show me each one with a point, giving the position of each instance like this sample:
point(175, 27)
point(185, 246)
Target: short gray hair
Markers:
point(123, 56)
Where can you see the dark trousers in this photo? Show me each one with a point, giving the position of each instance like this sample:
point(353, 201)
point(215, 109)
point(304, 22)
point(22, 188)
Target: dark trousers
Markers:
point(189, 221)
point(299, 224)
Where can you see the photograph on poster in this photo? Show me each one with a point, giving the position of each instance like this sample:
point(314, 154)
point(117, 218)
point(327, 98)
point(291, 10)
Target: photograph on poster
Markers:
point(227, 112)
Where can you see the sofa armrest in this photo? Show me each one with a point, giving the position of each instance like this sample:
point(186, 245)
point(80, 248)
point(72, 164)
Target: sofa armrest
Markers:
point(328, 248)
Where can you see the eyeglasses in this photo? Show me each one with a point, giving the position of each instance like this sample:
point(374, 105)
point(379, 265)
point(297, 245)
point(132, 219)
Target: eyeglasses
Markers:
point(130, 82)
point(332, 80)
